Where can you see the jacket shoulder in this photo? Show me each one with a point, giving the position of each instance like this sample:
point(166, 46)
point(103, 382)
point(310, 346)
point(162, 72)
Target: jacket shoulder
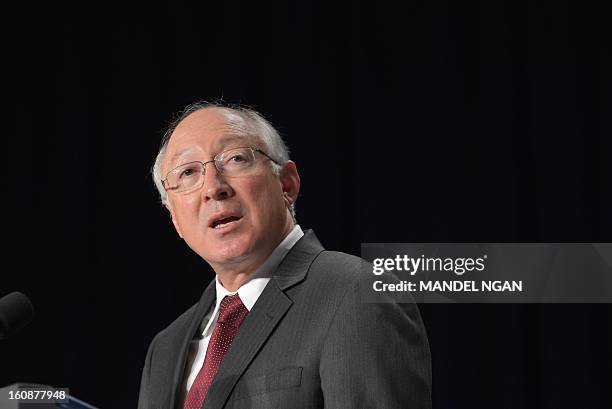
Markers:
point(344, 267)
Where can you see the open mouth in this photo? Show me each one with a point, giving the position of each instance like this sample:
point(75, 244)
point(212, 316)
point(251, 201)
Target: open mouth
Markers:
point(225, 221)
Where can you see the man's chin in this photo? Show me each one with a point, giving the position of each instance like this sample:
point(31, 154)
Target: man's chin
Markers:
point(228, 252)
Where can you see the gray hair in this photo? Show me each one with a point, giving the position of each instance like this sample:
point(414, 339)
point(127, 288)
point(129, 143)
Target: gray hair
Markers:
point(259, 126)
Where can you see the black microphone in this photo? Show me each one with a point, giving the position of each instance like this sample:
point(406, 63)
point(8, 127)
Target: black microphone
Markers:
point(16, 311)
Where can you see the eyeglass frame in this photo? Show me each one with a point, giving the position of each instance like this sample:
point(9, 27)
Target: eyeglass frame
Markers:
point(214, 161)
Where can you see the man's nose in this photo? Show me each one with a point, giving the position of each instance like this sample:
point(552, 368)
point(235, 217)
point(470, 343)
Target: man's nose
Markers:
point(215, 187)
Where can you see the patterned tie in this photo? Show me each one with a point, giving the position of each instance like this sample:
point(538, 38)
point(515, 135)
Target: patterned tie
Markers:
point(231, 314)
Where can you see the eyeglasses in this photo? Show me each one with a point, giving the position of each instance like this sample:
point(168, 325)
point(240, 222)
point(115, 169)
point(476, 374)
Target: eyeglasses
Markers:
point(232, 162)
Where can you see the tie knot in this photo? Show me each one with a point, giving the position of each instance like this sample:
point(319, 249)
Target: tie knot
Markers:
point(231, 310)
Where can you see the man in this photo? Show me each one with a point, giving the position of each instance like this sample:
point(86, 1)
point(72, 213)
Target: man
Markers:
point(282, 325)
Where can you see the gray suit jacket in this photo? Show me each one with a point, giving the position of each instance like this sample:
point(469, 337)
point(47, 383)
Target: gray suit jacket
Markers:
point(309, 342)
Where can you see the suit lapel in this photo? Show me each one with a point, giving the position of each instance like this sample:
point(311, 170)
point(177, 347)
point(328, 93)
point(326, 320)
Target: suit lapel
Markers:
point(295, 265)
point(268, 311)
point(183, 339)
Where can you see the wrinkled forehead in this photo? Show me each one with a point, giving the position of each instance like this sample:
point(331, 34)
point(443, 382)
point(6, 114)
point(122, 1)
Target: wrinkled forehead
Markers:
point(207, 126)
point(207, 132)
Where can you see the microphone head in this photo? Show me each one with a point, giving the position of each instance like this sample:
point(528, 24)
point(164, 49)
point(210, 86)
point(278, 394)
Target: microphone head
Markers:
point(16, 311)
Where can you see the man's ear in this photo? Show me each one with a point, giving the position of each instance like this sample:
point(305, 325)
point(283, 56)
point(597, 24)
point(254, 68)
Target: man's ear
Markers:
point(290, 181)
point(168, 207)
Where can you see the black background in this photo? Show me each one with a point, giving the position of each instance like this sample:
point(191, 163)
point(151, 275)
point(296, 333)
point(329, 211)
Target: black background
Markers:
point(429, 121)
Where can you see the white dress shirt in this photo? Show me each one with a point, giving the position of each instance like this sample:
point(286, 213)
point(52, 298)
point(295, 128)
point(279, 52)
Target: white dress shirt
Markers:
point(249, 292)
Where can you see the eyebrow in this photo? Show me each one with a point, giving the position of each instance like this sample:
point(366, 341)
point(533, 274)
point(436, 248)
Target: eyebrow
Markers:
point(179, 154)
point(221, 143)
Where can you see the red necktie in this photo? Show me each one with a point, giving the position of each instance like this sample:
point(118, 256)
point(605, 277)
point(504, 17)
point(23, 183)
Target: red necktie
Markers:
point(231, 314)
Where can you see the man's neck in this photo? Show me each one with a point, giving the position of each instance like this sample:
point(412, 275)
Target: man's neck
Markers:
point(233, 276)
point(232, 282)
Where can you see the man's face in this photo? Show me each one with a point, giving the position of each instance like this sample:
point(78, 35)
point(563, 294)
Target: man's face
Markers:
point(235, 222)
